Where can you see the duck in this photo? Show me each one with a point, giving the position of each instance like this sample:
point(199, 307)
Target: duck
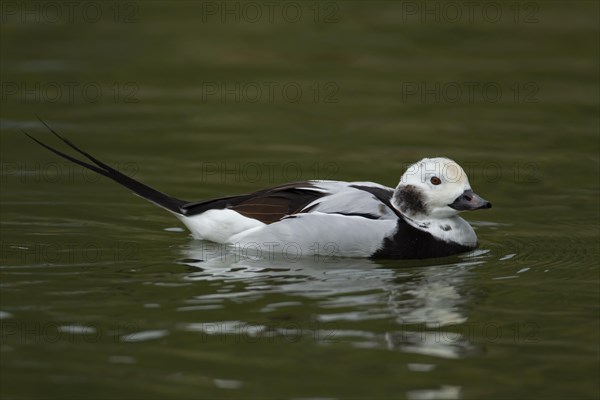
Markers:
point(416, 219)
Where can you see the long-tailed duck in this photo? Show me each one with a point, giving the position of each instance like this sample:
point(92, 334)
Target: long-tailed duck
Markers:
point(417, 219)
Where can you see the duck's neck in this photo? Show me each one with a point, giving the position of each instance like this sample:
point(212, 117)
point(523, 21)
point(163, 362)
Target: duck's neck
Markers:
point(424, 221)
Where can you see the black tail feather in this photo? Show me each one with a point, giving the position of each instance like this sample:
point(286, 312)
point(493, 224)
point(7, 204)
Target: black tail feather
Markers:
point(161, 199)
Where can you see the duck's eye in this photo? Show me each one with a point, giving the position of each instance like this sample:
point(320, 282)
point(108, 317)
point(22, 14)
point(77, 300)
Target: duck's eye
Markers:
point(436, 181)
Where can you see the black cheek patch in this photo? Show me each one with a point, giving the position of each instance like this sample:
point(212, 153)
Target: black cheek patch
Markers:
point(446, 228)
point(411, 200)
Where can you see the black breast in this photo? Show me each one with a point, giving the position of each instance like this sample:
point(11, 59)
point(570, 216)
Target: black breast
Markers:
point(409, 243)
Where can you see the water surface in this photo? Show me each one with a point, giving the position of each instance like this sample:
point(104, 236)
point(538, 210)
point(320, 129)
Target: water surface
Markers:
point(103, 295)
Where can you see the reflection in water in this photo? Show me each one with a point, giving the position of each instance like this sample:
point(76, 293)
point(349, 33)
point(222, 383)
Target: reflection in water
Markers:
point(421, 302)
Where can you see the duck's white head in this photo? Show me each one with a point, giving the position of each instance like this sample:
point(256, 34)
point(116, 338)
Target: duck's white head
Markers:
point(435, 188)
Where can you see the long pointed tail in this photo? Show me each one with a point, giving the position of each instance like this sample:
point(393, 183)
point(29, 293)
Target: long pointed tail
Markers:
point(161, 199)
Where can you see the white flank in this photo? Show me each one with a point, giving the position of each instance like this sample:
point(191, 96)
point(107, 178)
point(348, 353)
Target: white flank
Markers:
point(319, 233)
point(218, 225)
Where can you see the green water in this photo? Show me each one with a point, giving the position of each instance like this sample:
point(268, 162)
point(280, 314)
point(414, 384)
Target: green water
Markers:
point(101, 296)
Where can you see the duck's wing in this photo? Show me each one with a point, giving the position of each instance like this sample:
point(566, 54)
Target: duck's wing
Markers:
point(353, 219)
point(279, 209)
point(363, 199)
point(267, 205)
